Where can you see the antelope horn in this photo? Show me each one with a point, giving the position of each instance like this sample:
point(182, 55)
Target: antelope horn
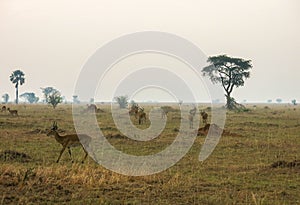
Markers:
point(54, 126)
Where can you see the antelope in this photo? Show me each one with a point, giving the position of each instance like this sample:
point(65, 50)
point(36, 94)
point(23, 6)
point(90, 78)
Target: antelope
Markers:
point(3, 109)
point(68, 141)
point(191, 116)
point(13, 112)
point(134, 110)
point(164, 112)
point(141, 116)
point(138, 113)
point(204, 117)
point(92, 108)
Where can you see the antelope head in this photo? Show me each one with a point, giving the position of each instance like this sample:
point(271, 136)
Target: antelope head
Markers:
point(53, 129)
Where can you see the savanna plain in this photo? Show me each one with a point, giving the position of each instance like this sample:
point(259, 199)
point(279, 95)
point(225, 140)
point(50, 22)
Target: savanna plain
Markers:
point(257, 161)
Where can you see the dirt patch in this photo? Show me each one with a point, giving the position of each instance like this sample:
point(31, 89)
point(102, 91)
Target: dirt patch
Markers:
point(36, 131)
point(215, 129)
point(285, 164)
point(11, 155)
point(116, 136)
point(175, 130)
point(109, 128)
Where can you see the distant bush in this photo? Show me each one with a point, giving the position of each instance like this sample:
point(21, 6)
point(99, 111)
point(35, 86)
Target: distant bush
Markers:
point(122, 101)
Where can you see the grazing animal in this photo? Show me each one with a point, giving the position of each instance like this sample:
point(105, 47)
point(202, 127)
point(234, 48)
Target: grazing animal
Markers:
point(68, 141)
point(204, 117)
point(164, 112)
point(191, 120)
point(92, 108)
point(141, 116)
point(13, 112)
point(3, 109)
point(138, 113)
point(134, 110)
point(191, 116)
point(215, 129)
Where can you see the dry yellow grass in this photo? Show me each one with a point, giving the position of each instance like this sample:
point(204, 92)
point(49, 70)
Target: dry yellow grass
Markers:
point(238, 172)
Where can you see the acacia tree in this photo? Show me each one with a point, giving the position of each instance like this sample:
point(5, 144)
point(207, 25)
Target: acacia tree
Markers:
point(230, 72)
point(122, 101)
point(30, 97)
point(17, 77)
point(54, 98)
point(47, 91)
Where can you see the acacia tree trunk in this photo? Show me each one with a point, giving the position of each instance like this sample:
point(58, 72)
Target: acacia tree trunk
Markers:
point(230, 102)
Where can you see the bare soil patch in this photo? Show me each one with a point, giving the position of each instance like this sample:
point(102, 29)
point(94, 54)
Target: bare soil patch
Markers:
point(11, 155)
point(286, 164)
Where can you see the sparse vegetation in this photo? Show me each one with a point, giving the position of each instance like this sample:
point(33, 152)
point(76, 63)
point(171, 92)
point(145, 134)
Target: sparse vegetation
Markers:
point(278, 100)
point(255, 162)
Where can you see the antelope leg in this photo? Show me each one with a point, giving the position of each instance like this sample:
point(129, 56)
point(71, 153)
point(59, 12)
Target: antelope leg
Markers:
point(86, 154)
point(61, 152)
point(69, 150)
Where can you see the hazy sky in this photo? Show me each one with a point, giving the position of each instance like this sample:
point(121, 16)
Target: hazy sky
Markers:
point(51, 40)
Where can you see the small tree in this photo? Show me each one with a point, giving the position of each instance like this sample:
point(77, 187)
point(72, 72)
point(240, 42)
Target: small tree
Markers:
point(30, 97)
point(5, 98)
point(294, 102)
point(47, 91)
point(64, 99)
point(122, 101)
point(278, 100)
point(216, 101)
point(133, 103)
point(230, 72)
point(269, 101)
point(76, 99)
point(17, 78)
point(54, 99)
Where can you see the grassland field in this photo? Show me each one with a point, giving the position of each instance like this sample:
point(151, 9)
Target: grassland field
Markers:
point(257, 164)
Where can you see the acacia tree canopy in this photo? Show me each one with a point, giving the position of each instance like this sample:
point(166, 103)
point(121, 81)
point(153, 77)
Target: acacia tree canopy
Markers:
point(230, 72)
point(122, 101)
point(30, 97)
point(47, 91)
point(54, 98)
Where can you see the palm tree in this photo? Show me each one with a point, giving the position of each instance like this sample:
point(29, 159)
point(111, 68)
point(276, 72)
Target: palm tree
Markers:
point(17, 77)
